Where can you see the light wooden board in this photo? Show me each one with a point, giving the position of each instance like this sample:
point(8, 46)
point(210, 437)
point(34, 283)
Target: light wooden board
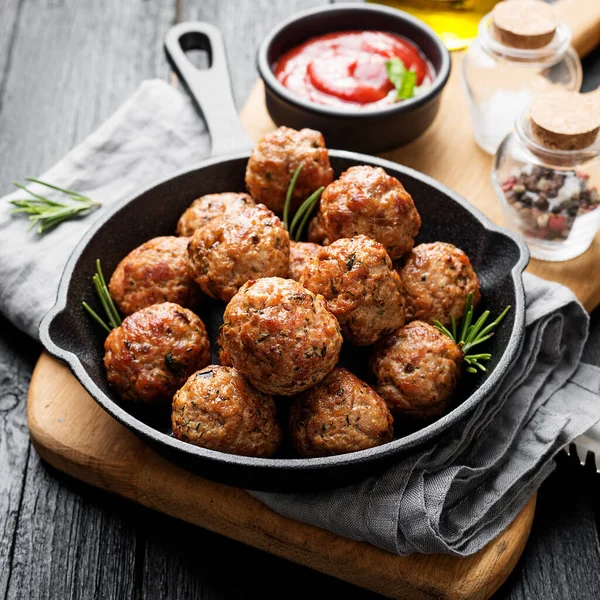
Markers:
point(72, 433)
point(448, 153)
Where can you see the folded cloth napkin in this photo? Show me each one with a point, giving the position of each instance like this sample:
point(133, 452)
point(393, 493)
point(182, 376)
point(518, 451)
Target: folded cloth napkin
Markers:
point(453, 497)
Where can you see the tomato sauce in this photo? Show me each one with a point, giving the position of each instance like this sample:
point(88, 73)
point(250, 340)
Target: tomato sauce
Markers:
point(348, 67)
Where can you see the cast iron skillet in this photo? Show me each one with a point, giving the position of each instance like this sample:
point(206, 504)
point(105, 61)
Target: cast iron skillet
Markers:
point(498, 256)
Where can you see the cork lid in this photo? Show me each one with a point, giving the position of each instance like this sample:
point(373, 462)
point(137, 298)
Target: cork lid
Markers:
point(526, 24)
point(562, 120)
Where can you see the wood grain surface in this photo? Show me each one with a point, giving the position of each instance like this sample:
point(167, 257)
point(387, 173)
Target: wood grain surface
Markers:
point(448, 153)
point(72, 433)
point(60, 538)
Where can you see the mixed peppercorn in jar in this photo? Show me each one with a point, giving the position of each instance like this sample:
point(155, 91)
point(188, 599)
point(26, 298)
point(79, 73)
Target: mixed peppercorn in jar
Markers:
point(547, 172)
point(548, 201)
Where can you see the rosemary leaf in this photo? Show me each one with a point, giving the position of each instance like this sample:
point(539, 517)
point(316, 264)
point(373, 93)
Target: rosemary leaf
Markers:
point(47, 213)
point(303, 214)
point(466, 318)
point(476, 342)
point(472, 334)
point(478, 325)
point(496, 322)
point(438, 325)
point(95, 316)
point(288, 196)
point(112, 314)
point(71, 193)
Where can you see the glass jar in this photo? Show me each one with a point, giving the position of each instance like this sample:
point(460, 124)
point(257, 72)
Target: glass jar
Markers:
point(548, 196)
point(500, 81)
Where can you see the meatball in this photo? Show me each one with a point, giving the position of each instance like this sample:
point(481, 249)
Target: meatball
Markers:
point(417, 370)
point(275, 159)
point(232, 249)
point(280, 335)
point(223, 355)
point(300, 255)
point(206, 208)
point(437, 279)
point(149, 357)
point(357, 279)
point(369, 201)
point(316, 232)
point(339, 415)
point(218, 409)
point(154, 272)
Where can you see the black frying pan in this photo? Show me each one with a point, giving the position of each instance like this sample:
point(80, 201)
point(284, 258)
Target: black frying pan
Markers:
point(498, 256)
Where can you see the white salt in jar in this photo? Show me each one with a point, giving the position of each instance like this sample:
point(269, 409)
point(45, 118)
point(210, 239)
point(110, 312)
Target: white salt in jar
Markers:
point(520, 52)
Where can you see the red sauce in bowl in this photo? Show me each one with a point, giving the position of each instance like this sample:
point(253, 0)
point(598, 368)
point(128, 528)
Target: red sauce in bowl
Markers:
point(348, 67)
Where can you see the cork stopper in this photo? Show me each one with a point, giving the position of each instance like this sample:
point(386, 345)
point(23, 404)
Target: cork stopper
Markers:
point(562, 120)
point(526, 24)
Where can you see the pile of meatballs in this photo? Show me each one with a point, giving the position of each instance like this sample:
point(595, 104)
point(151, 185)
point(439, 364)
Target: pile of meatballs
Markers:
point(290, 306)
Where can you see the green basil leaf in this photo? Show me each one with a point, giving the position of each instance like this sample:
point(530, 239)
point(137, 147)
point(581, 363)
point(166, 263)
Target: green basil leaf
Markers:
point(395, 71)
point(407, 89)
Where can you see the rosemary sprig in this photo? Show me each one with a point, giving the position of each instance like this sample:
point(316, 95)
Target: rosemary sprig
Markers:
point(303, 213)
point(288, 196)
point(112, 315)
point(47, 213)
point(472, 334)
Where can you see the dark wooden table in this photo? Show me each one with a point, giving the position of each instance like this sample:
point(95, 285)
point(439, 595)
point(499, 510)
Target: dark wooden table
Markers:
point(66, 65)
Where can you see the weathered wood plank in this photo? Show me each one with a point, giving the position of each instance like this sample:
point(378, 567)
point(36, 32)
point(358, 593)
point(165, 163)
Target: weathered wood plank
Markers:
point(562, 557)
point(71, 541)
point(70, 65)
point(9, 13)
point(243, 25)
point(17, 358)
point(73, 63)
point(182, 561)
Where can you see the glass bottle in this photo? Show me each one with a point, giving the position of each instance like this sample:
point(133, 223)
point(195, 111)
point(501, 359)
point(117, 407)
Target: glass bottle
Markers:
point(549, 196)
point(500, 81)
point(455, 21)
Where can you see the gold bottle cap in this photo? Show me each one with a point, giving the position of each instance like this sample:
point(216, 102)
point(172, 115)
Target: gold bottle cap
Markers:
point(562, 120)
point(526, 24)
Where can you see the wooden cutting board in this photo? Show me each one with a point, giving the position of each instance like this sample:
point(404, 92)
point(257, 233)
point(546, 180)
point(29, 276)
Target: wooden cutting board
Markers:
point(72, 433)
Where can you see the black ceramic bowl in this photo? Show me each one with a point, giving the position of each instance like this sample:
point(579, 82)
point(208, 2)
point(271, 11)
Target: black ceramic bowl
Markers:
point(365, 129)
point(498, 256)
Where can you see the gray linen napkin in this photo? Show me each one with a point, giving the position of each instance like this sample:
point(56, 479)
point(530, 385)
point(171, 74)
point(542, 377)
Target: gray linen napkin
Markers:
point(453, 497)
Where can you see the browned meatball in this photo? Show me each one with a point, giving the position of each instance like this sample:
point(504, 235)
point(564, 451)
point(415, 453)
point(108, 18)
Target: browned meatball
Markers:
point(357, 279)
point(280, 335)
point(369, 201)
point(206, 208)
point(275, 159)
point(300, 255)
point(154, 272)
point(149, 357)
point(218, 409)
point(232, 249)
point(339, 415)
point(417, 370)
point(437, 279)
point(316, 232)
point(224, 358)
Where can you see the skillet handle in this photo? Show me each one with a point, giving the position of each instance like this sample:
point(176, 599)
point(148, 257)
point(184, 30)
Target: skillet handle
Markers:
point(210, 88)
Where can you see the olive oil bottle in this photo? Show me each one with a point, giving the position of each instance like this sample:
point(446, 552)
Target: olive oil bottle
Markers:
point(455, 21)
